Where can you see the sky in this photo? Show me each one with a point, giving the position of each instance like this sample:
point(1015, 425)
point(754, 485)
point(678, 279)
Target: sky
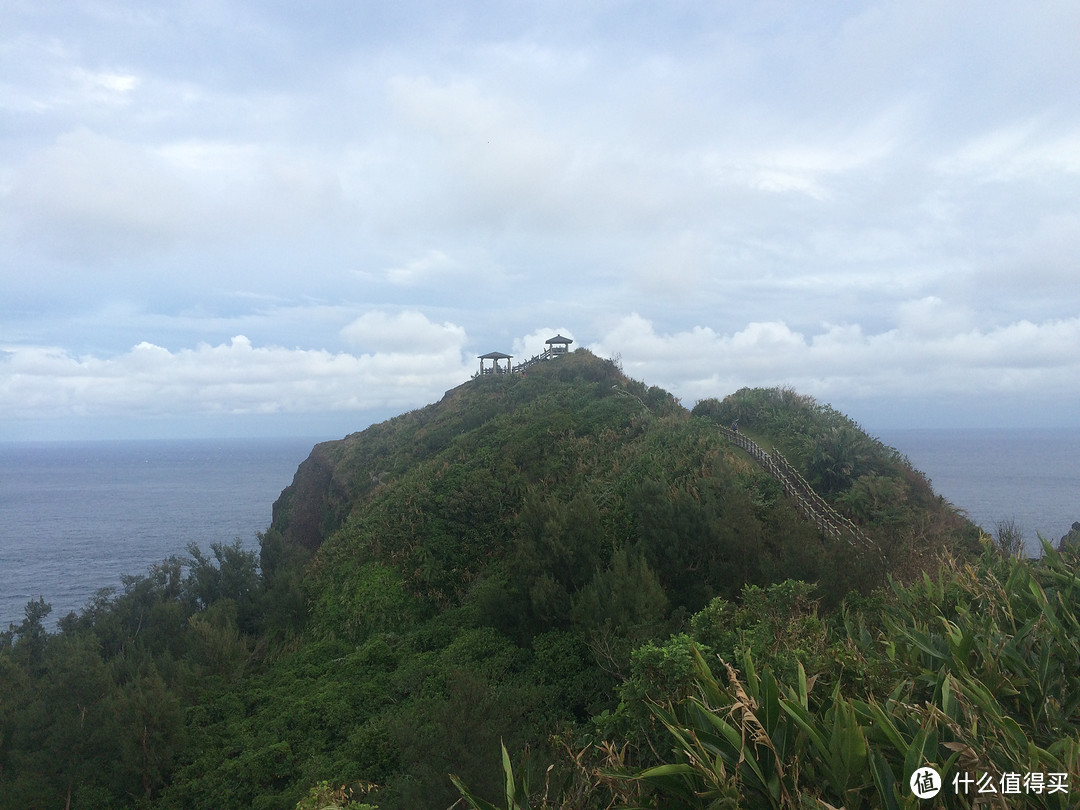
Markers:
point(224, 218)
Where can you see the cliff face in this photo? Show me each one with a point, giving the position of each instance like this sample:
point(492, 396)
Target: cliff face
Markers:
point(313, 506)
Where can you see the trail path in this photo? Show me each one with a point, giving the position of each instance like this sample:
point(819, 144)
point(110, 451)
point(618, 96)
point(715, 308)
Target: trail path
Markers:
point(810, 505)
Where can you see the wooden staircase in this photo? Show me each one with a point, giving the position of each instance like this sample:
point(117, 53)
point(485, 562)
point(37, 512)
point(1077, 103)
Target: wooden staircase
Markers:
point(809, 504)
point(519, 368)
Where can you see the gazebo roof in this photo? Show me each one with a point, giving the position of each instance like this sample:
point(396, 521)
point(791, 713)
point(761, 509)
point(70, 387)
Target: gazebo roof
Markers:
point(559, 339)
point(494, 356)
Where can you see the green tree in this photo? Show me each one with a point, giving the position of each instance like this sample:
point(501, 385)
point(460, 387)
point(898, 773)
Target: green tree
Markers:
point(149, 721)
point(29, 640)
point(232, 574)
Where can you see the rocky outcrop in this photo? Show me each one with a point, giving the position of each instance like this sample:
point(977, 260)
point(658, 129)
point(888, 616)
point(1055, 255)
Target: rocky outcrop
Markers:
point(315, 504)
point(1070, 538)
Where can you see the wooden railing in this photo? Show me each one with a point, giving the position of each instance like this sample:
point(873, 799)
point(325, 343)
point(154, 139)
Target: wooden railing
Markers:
point(519, 368)
point(808, 502)
point(545, 355)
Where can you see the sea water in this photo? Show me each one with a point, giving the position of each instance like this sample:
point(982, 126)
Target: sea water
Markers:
point(74, 517)
point(1029, 478)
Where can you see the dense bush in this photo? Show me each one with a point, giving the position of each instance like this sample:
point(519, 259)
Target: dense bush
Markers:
point(975, 675)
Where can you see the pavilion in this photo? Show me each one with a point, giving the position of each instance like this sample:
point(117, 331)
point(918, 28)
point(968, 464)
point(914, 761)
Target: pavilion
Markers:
point(495, 358)
point(558, 344)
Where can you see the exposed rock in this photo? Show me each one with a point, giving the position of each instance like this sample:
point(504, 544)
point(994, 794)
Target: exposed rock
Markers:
point(1071, 538)
point(310, 508)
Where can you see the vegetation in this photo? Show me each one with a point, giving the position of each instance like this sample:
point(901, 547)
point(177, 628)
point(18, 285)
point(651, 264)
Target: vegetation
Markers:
point(973, 672)
point(572, 571)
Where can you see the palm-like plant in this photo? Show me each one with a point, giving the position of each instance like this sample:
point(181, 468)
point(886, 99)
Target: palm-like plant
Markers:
point(984, 664)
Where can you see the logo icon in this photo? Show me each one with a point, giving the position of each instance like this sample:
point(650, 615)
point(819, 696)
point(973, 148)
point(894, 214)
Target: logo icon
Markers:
point(926, 783)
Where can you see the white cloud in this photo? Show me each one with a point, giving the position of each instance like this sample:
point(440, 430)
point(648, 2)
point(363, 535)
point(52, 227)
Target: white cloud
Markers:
point(931, 317)
point(534, 343)
point(230, 378)
point(490, 164)
point(90, 195)
point(1025, 149)
point(919, 358)
point(496, 162)
point(102, 87)
point(430, 267)
point(408, 332)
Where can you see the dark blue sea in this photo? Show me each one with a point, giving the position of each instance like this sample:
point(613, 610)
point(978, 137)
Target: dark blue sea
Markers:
point(74, 517)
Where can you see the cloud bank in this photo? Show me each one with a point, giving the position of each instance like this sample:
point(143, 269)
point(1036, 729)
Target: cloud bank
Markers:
point(409, 361)
point(405, 360)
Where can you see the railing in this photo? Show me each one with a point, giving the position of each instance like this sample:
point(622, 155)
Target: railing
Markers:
point(545, 355)
point(519, 368)
point(808, 502)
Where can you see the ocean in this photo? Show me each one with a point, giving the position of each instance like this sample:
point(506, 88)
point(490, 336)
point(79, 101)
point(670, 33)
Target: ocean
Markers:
point(1029, 477)
point(74, 517)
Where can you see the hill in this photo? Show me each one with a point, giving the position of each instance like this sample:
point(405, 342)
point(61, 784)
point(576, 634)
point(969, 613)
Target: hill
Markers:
point(494, 566)
point(448, 493)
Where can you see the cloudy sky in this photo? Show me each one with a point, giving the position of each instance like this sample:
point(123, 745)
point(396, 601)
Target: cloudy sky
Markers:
point(257, 218)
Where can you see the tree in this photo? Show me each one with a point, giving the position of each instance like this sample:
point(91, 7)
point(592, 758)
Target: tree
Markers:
point(150, 728)
point(235, 576)
point(29, 639)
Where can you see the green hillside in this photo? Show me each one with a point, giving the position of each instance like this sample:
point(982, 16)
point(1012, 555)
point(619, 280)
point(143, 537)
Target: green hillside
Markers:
point(534, 560)
point(531, 484)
